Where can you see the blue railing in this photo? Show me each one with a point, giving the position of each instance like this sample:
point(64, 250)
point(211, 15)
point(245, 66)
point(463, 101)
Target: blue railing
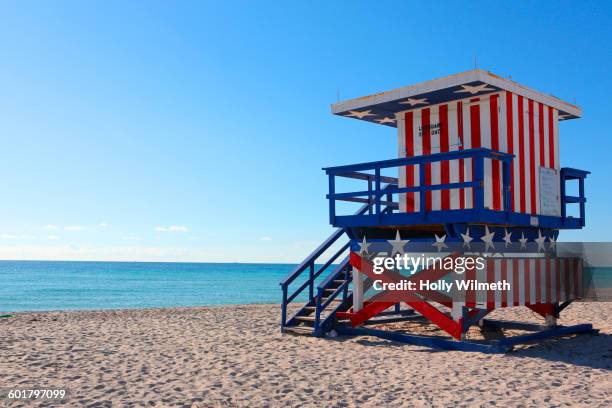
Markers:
point(309, 265)
point(380, 199)
point(343, 273)
point(568, 174)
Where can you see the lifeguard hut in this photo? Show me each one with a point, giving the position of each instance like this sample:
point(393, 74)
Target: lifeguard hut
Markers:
point(478, 164)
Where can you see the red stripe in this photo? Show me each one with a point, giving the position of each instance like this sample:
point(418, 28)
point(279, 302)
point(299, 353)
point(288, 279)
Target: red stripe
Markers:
point(490, 279)
point(475, 134)
point(558, 273)
point(532, 167)
point(504, 276)
point(538, 281)
point(426, 138)
point(551, 140)
point(409, 136)
point(510, 133)
point(549, 287)
point(527, 278)
point(521, 155)
point(470, 295)
point(515, 281)
point(541, 129)
point(567, 279)
point(495, 146)
point(444, 147)
point(577, 277)
point(461, 169)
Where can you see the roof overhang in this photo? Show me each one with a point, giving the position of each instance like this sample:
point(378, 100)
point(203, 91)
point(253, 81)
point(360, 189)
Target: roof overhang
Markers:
point(381, 107)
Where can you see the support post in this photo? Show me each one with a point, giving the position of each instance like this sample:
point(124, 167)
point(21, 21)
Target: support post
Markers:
point(550, 321)
point(332, 199)
point(581, 195)
point(311, 281)
point(357, 290)
point(284, 307)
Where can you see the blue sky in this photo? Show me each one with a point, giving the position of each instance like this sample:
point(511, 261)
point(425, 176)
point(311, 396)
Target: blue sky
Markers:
point(196, 131)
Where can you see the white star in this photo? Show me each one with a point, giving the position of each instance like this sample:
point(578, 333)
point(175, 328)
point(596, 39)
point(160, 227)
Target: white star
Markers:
point(473, 90)
point(413, 102)
point(385, 120)
point(523, 241)
point(553, 243)
point(487, 238)
point(398, 244)
point(466, 238)
point(540, 241)
point(360, 115)
point(507, 237)
point(440, 242)
point(363, 247)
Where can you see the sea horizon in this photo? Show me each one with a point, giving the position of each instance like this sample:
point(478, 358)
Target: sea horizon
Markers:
point(34, 286)
point(101, 285)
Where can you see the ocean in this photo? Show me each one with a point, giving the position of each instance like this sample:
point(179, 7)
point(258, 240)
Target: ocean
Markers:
point(50, 285)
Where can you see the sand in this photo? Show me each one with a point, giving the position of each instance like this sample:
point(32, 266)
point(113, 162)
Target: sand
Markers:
point(235, 356)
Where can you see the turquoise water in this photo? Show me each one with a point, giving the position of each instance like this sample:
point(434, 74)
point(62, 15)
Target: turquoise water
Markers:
point(34, 285)
point(37, 285)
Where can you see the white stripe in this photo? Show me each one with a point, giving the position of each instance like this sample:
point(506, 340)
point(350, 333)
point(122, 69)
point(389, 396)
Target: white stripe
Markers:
point(418, 150)
point(467, 144)
point(546, 139)
point(526, 155)
point(515, 162)
point(556, 137)
point(509, 277)
point(485, 141)
point(401, 152)
point(436, 168)
point(453, 141)
point(498, 293)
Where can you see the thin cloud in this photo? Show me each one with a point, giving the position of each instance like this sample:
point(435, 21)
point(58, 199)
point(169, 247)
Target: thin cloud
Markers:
point(50, 227)
point(103, 224)
point(74, 228)
point(52, 237)
point(130, 238)
point(13, 236)
point(172, 228)
point(266, 238)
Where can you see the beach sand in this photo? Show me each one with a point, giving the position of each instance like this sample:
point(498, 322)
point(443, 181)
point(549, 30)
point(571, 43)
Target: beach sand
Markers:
point(236, 356)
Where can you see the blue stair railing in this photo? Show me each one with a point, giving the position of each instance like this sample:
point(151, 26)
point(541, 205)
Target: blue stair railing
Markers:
point(334, 285)
point(342, 273)
point(309, 267)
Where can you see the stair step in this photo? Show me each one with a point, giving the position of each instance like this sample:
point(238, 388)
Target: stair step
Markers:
point(323, 300)
point(339, 282)
point(332, 290)
point(299, 329)
point(305, 318)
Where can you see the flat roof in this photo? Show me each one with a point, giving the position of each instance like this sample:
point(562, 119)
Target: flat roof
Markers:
point(381, 107)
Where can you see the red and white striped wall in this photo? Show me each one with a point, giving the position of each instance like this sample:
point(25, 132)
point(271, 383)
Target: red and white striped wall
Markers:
point(501, 121)
point(532, 281)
